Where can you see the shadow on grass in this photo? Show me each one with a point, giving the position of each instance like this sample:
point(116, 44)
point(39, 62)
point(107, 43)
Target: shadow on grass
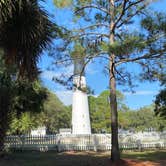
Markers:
point(55, 159)
point(52, 158)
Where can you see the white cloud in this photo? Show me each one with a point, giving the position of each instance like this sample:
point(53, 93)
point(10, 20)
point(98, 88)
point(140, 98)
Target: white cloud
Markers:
point(143, 93)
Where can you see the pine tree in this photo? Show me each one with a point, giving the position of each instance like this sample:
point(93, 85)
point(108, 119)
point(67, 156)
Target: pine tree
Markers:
point(107, 32)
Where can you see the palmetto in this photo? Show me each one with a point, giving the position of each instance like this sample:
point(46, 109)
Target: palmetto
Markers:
point(25, 31)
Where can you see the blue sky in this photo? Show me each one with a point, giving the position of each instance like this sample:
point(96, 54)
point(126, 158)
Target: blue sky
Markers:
point(96, 79)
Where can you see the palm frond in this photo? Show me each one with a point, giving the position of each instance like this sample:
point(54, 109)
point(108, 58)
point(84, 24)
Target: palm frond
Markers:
point(25, 31)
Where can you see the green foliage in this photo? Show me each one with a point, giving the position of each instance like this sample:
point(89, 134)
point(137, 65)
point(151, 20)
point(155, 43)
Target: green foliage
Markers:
point(25, 31)
point(22, 124)
point(26, 102)
point(122, 47)
point(18, 99)
point(104, 46)
point(54, 115)
point(29, 97)
point(100, 112)
point(154, 25)
point(6, 94)
point(62, 4)
point(78, 51)
point(99, 116)
point(130, 43)
point(138, 120)
point(160, 103)
point(145, 118)
point(143, 45)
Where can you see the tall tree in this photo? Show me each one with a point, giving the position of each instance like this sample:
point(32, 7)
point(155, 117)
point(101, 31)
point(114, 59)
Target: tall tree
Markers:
point(25, 31)
point(108, 33)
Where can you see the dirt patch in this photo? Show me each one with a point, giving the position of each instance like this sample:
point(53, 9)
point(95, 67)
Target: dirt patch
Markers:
point(122, 162)
point(129, 162)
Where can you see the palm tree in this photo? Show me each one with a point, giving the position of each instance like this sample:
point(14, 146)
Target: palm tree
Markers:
point(25, 31)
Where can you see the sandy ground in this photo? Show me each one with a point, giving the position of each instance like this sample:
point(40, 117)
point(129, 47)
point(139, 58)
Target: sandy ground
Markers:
point(129, 162)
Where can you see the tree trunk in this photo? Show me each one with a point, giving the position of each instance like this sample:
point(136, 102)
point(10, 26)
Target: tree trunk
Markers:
point(115, 154)
point(2, 138)
point(4, 115)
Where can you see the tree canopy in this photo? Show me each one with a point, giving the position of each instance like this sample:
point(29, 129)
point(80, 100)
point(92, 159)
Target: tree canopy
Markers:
point(143, 119)
point(53, 115)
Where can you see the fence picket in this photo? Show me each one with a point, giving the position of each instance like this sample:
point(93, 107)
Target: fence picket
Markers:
point(76, 142)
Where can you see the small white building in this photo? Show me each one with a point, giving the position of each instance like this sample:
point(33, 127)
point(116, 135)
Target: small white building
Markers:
point(65, 131)
point(39, 131)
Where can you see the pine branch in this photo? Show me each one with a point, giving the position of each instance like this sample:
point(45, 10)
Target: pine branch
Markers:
point(131, 4)
point(99, 55)
point(89, 57)
point(122, 77)
point(91, 26)
point(122, 13)
point(125, 9)
point(90, 6)
point(129, 17)
point(143, 57)
point(90, 33)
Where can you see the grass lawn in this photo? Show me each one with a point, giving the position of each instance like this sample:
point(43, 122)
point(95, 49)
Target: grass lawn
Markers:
point(148, 155)
point(52, 158)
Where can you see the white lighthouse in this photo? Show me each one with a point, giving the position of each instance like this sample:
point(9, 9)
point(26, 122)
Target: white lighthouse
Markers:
point(80, 107)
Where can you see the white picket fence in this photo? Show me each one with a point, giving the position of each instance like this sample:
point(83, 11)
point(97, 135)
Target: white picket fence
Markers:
point(70, 142)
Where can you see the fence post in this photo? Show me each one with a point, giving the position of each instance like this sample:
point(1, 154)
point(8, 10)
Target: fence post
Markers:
point(95, 142)
point(23, 142)
point(59, 143)
point(139, 145)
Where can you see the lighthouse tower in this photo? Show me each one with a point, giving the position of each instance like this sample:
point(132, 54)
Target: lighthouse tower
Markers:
point(80, 107)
